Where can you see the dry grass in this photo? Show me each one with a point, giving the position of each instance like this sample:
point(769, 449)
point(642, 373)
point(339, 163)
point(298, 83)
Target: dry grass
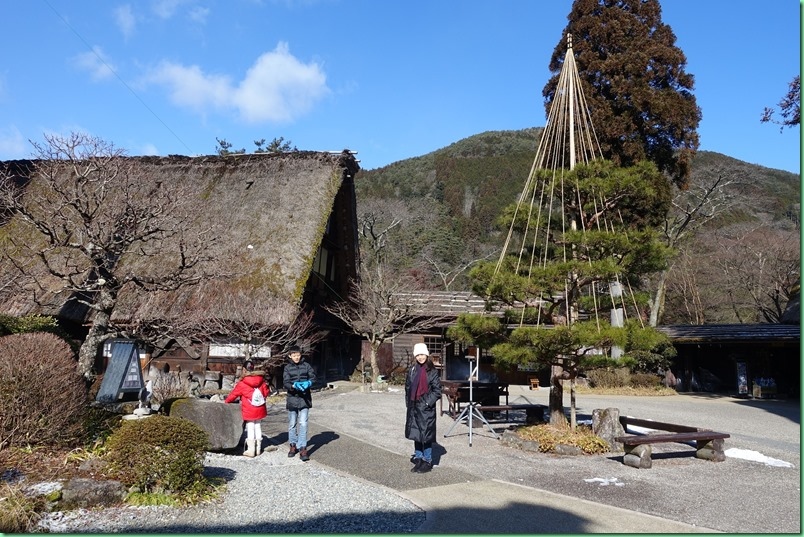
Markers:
point(548, 436)
point(625, 390)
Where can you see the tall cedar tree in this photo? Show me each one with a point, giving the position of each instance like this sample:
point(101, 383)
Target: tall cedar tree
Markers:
point(639, 94)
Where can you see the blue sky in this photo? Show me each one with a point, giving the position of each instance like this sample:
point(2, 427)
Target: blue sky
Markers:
point(390, 79)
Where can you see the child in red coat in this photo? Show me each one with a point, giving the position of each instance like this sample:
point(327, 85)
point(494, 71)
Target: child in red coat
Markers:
point(252, 408)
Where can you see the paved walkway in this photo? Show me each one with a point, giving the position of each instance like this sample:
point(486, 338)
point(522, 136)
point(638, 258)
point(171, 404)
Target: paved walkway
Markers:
point(487, 488)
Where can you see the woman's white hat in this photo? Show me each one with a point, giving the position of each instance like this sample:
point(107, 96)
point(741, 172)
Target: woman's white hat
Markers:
point(420, 348)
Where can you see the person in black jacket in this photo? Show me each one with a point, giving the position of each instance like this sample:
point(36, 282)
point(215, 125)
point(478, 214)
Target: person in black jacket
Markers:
point(297, 379)
point(422, 392)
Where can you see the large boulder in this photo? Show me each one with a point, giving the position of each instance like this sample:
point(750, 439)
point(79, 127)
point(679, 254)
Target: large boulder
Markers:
point(223, 423)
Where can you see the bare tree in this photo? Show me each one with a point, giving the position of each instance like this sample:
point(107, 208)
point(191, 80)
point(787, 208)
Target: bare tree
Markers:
point(685, 289)
point(377, 311)
point(449, 275)
point(690, 210)
point(93, 225)
point(374, 233)
point(763, 266)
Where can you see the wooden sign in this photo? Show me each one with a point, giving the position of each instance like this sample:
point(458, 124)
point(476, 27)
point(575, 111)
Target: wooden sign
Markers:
point(123, 374)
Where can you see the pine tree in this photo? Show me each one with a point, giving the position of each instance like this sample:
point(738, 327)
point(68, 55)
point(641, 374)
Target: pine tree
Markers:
point(634, 78)
point(595, 228)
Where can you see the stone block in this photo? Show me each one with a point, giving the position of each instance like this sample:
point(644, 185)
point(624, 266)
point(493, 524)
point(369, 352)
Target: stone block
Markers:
point(710, 454)
point(228, 383)
point(606, 425)
point(638, 456)
point(222, 422)
point(83, 492)
point(566, 449)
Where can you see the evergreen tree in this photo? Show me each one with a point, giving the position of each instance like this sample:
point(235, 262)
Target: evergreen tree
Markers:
point(633, 75)
point(594, 228)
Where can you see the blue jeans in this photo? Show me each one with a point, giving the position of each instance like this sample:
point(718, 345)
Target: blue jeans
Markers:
point(298, 417)
point(423, 450)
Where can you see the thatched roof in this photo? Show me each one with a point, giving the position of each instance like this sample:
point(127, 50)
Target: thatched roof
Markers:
point(270, 212)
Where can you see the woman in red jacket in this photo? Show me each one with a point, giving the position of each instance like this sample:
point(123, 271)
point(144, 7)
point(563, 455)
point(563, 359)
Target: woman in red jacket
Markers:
point(252, 391)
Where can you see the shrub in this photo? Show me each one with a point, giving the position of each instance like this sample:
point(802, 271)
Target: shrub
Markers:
point(18, 513)
point(43, 399)
point(609, 378)
point(168, 386)
point(645, 380)
point(157, 454)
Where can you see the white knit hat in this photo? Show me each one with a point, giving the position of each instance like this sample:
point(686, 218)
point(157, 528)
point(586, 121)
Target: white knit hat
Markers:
point(420, 348)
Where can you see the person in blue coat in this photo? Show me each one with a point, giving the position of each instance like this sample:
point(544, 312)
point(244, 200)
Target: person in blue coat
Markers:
point(422, 392)
point(297, 380)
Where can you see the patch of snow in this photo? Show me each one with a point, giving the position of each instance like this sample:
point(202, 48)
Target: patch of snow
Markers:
point(40, 489)
point(638, 429)
point(605, 482)
point(749, 455)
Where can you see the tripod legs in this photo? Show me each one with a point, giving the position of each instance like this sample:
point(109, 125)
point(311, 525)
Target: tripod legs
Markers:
point(470, 412)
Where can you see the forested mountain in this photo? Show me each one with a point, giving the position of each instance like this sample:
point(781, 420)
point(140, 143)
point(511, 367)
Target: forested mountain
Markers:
point(441, 210)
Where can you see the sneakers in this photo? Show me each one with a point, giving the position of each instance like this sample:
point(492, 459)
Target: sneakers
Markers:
point(303, 454)
point(292, 452)
point(423, 467)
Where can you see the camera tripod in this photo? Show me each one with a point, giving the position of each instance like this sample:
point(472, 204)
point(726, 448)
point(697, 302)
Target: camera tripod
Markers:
point(471, 410)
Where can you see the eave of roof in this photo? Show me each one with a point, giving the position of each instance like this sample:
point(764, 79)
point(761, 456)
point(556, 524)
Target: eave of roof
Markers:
point(710, 333)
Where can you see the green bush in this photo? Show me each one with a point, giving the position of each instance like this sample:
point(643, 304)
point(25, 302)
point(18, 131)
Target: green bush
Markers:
point(43, 399)
point(609, 378)
point(157, 454)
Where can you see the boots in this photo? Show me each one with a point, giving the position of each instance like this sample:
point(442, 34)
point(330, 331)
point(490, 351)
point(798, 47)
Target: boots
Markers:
point(258, 446)
point(303, 454)
point(423, 467)
point(292, 452)
point(250, 448)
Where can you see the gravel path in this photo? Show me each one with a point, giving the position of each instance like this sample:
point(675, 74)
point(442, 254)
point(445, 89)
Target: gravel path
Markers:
point(267, 494)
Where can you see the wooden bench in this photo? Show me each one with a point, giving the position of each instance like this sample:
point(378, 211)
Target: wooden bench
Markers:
point(484, 393)
point(534, 413)
point(709, 444)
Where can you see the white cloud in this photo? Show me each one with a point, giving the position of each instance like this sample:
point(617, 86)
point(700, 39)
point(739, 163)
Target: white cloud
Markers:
point(277, 88)
point(149, 149)
point(96, 63)
point(12, 143)
point(189, 87)
point(165, 9)
point(126, 20)
point(199, 14)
